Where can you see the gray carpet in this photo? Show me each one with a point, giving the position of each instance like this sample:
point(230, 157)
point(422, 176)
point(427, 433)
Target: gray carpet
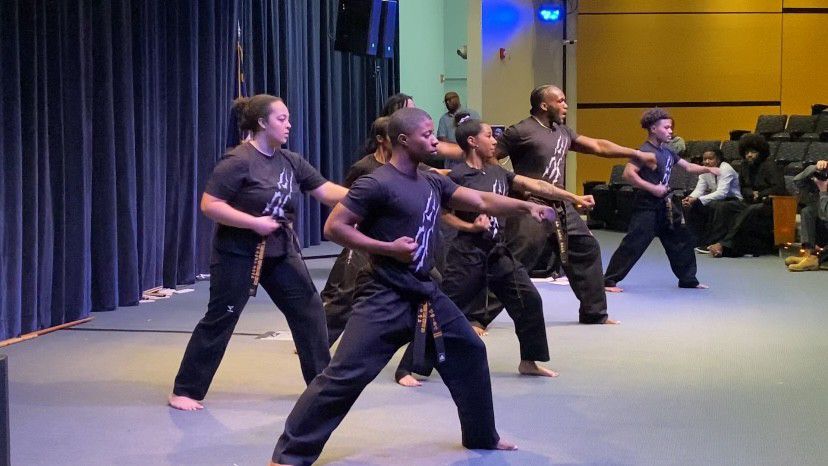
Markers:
point(733, 375)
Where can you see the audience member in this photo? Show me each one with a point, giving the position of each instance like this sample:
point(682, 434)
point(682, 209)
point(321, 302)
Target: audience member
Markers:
point(712, 208)
point(760, 178)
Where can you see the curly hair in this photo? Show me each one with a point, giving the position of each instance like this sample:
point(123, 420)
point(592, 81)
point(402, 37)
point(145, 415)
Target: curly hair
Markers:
point(652, 116)
point(753, 142)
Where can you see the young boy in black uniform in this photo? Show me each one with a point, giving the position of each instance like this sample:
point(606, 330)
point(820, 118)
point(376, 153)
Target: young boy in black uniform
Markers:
point(397, 208)
point(654, 212)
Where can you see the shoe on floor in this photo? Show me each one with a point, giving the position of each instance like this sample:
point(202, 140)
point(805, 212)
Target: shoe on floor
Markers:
point(702, 250)
point(808, 263)
point(791, 260)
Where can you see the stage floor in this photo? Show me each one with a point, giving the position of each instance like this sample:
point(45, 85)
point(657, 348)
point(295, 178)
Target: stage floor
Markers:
point(733, 375)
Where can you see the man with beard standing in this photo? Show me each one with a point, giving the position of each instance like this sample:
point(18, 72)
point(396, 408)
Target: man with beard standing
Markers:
point(537, 146)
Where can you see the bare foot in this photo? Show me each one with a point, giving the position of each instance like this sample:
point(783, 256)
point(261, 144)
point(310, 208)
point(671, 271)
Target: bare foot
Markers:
point(504, 445)
point(409, 381)
point(715, 250)
point(612, 322)
point(184, 403)
point(479, 331)
point(613, 289)
point(532, 368)
point(702, 286)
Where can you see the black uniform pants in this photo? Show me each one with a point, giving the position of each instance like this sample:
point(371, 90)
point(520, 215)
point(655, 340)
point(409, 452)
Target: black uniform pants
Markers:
point(288, 283)
point(752, 232)
point(527, 239)
point(710, 223)
point(470, 270)
point(382, 321)
point(646, 224)
point(338, 294)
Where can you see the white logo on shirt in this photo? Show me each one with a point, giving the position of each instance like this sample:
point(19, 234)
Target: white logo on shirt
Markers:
point(425, 231)
point(499, 187)
point(553, 169)
point(284, 191)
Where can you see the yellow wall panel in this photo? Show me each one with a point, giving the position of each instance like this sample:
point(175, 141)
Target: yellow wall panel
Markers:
point(679, 58)
point(622, 126)
point(806, 3)
point(804, 48)
point(670, 6)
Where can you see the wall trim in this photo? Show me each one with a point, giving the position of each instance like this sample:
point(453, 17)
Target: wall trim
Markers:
point(745, 103)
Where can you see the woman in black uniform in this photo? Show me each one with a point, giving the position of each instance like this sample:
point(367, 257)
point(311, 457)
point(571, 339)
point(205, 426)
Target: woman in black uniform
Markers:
point(337, 296)
point(478, 260)
point(253, 195)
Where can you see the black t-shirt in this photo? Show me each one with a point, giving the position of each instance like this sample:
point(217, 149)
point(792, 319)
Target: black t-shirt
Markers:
point(361, 167)
point(665, 160)
point(537, 151)
point(367, 165)
point(393, 204)
point(258, 184)
point(492, 179)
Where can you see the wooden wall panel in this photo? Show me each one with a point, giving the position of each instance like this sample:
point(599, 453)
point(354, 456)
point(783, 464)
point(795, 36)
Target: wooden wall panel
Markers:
point(672, 6)
point(679, 58)
point(806, 4)
point(804, 73)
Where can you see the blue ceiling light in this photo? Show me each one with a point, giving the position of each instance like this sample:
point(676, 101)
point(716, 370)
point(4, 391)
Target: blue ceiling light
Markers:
point(549, 14)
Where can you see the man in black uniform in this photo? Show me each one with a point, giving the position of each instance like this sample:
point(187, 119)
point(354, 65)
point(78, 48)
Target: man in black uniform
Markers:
point(654, 212)
point(537, 147)
point(397, 208)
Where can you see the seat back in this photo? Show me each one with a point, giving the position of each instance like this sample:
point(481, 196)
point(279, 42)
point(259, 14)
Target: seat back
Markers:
point(771, 124)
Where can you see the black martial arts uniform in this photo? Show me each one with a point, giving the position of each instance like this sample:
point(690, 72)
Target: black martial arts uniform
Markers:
point(386, 310)
point(539, 152)
point(479, 262)
point(752, 231)
point(338, 293)
point(655, 217)
point(259, 185)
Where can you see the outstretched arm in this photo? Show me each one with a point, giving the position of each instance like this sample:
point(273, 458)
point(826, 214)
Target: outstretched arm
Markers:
point(471, 200)
point(550, 191)
point(329, 193)
point(697, 169)
point(341, 228)
point(611, 150)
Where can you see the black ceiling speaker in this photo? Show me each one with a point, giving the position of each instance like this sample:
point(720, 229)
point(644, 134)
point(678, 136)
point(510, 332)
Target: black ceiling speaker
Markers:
point(388, 28)
point(358, 26)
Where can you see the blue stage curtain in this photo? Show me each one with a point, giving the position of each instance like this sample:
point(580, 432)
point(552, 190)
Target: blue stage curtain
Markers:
point(113, 115)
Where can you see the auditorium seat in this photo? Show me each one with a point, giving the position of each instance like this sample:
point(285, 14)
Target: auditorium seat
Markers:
point(695, 149)
point(790, 151)
point(820, 132)
point(816, 151)
point(730, 150)
point(768, 125)
point(797, 126)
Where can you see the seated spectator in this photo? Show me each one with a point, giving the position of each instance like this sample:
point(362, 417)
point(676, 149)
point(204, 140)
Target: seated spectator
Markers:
point(813, 217)
point(712, 208)
point(760, 178)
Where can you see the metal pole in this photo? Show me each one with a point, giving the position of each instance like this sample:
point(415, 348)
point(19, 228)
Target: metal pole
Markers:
point(5, 451)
